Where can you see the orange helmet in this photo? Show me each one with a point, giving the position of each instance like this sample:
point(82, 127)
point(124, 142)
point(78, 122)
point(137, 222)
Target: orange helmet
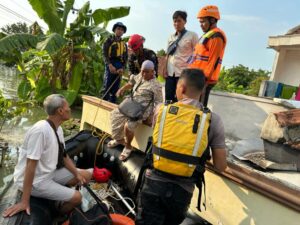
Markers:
point(135, 41)
point(209, 11)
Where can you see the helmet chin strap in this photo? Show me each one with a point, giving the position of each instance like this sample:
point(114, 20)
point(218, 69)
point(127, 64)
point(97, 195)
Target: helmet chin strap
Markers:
point(210, 24)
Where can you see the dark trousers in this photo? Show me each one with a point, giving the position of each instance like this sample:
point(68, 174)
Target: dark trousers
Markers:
point(205, 94)
point(162, 203)
point(111, 83)
point(170, 89)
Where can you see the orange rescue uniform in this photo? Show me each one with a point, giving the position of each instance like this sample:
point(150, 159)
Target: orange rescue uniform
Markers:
point(208, 54)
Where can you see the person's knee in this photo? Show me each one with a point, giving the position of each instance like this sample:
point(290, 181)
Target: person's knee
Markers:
point(88, 173)
point(76, 198)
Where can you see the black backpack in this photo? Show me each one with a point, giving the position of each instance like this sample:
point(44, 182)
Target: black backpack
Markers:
point(97, 215)
point(94, 216)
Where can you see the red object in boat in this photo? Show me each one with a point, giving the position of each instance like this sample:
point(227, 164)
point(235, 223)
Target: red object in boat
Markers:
point(118, 219)
point(101, 175)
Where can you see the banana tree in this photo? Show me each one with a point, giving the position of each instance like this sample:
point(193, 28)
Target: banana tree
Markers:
point(68, 59)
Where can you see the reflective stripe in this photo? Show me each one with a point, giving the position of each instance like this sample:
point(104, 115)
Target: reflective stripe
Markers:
point(199, 134)
point(161, 127)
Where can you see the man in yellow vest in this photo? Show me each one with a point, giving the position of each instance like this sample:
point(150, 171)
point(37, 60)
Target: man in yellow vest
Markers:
point(208, 53)
point(182, 133)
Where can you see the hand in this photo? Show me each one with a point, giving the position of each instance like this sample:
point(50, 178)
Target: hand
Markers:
point(21, 206)
point(120, 71)
point(81, 180)
point(112, 69)
point(120, 92)
point(165, 73)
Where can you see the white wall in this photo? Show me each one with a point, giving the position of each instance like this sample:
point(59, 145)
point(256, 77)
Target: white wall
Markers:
point(287, 67)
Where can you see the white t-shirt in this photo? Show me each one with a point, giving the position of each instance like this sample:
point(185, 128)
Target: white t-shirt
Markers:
point(40, 143)
point(185, 48)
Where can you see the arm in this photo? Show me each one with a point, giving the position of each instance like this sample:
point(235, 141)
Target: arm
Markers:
point(219, 159)
point(131, 65)
point(105, 49)
point(215, 46)
point(165, 72)
point(126, 87)
point(69, 165)
point(195, 40)
point(24, 204)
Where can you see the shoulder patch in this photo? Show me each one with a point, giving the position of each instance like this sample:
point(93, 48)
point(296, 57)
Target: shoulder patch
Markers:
point(173, 110)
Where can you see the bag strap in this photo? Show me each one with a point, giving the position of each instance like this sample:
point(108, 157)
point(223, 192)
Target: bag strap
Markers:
point(139, 84)
point(180, 36)
point(152, 95)
point(58, 141)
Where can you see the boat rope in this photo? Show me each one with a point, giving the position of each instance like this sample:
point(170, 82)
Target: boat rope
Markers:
point(102, 136)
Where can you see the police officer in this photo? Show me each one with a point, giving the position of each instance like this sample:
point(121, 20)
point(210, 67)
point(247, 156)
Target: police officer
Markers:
point(180, 138)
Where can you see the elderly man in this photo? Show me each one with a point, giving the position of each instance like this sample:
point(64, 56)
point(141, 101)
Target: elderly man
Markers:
point(146, 91)
point(44, 169)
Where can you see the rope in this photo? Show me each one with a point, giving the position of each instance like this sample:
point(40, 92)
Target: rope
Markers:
point(99, 149)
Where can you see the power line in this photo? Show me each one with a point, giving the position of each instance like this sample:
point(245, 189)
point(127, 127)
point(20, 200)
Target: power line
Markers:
point(17, 15)
point(21, 7)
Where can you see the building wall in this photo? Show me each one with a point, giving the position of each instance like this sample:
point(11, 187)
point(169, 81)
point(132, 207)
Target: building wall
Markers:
point(287, 67)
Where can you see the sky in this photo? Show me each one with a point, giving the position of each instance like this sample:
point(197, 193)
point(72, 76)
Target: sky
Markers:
point(247, 24)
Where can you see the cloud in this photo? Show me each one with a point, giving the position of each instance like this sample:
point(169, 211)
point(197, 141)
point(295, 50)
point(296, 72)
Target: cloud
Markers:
point(241, 18)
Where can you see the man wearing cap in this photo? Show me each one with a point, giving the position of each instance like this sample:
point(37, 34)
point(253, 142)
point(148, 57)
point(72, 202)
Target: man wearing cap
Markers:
point(208, 53)
point(146, 90)
point(115, 56)
point(138, 54)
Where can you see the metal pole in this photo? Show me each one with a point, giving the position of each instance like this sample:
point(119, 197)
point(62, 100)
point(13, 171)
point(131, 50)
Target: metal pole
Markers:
point(123, 200)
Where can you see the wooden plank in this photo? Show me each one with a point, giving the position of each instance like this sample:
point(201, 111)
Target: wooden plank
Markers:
point(96, 113)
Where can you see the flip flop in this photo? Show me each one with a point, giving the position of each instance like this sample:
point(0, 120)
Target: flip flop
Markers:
point(125, 154)
point(113, 143)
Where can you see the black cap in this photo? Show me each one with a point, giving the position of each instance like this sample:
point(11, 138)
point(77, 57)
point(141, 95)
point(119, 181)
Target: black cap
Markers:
point(119, 24)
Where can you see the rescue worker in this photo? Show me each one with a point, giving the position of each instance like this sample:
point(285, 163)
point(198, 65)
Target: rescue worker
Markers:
point(180, 138)
point(185, 42)
point(208, 53)
point(115, 56)
point(139, 54)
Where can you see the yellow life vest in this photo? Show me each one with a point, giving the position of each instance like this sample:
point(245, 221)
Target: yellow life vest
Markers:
point(180, 137)
point(117, 49)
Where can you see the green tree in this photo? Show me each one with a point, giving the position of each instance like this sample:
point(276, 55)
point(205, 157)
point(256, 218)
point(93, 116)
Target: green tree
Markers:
point(68, 59)
point(241, 79)
point(161, 53)
point(15, 28)
point(10, 109)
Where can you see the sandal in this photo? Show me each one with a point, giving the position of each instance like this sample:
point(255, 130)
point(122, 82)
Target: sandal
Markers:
point(125, 154)
point(114, 143)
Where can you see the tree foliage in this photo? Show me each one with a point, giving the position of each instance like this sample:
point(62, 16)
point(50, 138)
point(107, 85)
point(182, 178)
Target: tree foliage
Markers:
point(161, 53)
point(241, 79)
point(15, 28)
point(10, 109)
point(68, 60)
